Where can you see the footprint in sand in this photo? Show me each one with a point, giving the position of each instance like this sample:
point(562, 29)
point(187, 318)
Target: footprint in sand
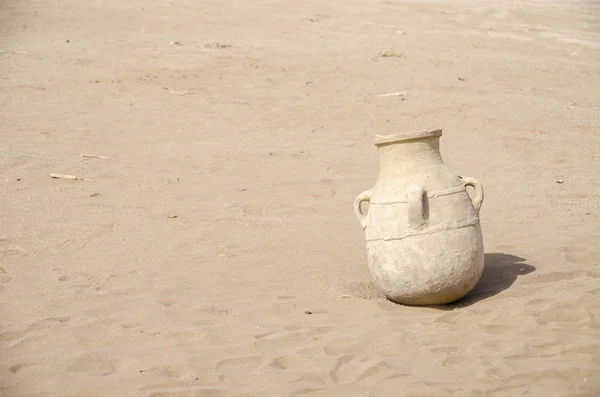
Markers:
point(351, 369)
point(4, 277)
point(234, 368)
point(556, 276)
point(304, 361)
point(286, 297)
point(50, 322)
point(167, 302)
point(129, 325)
point(585, 254)
point(579, 310)
point(17, 367)
point(94, 364)
point(9, 247)
point(316, 369)
point(87, 281)
point(289, 338)
point(214, 310)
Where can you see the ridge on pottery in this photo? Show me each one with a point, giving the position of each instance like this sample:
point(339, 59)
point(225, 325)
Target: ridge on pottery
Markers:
point(422, 231)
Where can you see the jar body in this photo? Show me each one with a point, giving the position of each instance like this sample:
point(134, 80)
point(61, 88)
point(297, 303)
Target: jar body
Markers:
point(423, 236)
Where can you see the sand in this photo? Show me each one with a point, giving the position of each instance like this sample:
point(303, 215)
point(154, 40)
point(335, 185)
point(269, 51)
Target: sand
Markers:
point(214, 251)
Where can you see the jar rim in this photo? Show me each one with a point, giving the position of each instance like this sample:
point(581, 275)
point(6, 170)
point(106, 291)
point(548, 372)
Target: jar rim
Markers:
point(406, 136)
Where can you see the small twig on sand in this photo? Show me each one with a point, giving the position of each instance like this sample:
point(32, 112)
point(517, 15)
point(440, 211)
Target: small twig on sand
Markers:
point(175, 92)
point(71, 177)
point(575, 106)
point(93, 156)
point(403, 93)
point(14, 52)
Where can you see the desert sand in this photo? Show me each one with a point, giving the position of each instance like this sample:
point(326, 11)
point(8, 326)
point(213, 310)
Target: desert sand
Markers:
point(211, 249)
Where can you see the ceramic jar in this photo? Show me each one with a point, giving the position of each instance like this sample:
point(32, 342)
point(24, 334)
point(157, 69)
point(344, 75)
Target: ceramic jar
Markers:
point(422, 231)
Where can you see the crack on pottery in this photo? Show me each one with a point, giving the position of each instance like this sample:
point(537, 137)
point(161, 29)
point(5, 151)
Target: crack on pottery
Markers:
point(439, 193)
point(431, 230)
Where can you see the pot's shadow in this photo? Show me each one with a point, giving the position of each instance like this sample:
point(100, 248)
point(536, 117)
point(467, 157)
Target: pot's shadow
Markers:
point(500, 271)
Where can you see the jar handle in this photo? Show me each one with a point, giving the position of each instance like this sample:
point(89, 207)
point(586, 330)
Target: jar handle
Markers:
point(417, 218)
point(474, 183)
point(362, 217)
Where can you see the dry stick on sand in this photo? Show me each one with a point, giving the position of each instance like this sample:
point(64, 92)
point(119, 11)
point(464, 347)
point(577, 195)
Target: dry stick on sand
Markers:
point(14, 52)
point(71, 177)
point(175, 92)
point(93, 156)
point(403, 93)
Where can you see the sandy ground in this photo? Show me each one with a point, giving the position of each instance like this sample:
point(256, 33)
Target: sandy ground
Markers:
point(213, 252)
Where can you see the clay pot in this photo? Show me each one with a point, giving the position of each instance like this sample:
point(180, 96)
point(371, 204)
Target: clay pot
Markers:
point(424, 241)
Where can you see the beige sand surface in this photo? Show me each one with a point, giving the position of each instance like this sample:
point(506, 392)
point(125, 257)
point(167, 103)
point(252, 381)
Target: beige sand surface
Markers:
point(238, 134)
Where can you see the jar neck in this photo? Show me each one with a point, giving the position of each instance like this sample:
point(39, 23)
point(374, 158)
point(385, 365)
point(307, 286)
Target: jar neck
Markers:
point(406, 156)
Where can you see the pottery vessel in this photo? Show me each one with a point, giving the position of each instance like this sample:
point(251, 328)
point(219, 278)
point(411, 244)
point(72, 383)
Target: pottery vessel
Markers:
point(422, 231)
